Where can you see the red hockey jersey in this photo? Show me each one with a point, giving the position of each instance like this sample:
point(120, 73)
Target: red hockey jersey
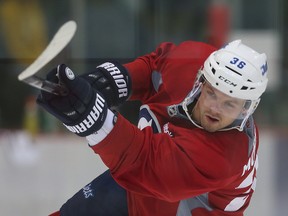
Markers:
point(168, 166)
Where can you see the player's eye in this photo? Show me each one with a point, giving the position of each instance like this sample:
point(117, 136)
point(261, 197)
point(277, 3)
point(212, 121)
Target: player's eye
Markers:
point(230, 105)
point(210, 93)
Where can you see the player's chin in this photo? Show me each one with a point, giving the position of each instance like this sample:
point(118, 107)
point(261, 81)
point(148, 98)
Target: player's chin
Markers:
point(211, 126)
point(211, 129)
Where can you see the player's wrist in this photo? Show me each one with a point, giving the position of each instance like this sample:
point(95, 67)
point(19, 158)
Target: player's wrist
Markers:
point(103, 132)
point(92, 119)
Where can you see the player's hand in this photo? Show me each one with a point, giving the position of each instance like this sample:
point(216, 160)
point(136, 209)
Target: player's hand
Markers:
point(83, 110)
point(112, 80)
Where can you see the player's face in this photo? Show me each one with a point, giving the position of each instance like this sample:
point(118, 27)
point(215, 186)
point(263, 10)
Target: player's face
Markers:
point(216, 110)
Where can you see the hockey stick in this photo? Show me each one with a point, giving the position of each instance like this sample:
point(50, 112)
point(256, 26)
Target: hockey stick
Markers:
point(60, 40)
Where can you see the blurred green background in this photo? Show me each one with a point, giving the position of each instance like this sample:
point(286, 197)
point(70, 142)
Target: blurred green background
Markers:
point(125, 29)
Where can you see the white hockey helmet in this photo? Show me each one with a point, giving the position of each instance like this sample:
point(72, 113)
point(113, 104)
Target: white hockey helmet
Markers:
point(237, 71)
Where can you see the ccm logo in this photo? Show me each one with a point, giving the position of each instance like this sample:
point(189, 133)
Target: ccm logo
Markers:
point(93, 116)
point(227, 81)
point(118, 77)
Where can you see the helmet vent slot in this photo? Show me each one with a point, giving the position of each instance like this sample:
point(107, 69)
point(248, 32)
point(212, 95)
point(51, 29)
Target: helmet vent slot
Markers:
point(244, 88)
point(233, 70)
point(213, 70)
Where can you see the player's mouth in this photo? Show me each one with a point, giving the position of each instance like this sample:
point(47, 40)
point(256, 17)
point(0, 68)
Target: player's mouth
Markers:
point(211, 118)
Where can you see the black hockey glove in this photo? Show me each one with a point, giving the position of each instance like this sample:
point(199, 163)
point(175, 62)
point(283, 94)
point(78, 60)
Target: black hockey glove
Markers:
point(112, 80)
point(83, 110)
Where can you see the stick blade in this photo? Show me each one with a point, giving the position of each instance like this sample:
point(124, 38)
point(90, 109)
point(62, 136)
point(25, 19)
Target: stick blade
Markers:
point(46, 85)
point(60, 40)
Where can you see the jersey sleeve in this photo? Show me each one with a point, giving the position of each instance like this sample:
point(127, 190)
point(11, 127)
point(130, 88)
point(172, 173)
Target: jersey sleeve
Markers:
point(141, 70)
point(161, 166)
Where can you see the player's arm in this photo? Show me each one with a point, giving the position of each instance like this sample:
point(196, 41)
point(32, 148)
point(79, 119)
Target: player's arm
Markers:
point(141, 70)
point(132, 80)
point(162, 166)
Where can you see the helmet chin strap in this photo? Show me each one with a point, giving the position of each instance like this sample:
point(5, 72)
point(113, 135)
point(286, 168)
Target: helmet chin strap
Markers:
point(176, 110)
point(189, 115)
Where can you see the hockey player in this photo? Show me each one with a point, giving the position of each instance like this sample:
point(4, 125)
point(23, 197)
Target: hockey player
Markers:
point(195, 149)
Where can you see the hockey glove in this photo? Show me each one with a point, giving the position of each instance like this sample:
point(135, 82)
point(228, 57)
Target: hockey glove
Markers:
point(112, 80)
point(83, 110)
